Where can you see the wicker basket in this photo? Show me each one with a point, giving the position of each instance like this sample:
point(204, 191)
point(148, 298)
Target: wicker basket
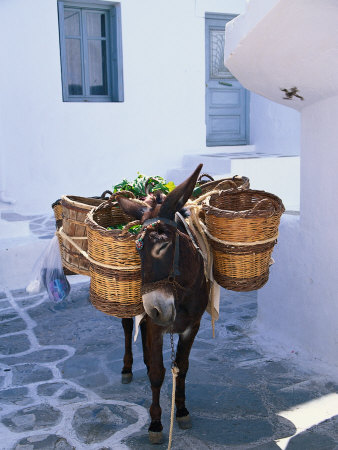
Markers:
point(74, 212)
point(242, 228)
point(224, 184)
point(57, 208)
point(70, 212)
point(115, 265)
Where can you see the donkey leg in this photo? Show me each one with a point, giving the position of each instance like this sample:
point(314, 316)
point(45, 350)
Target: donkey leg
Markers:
point(156, 376)
point(145, 348)
point(127, 374)
point(182, 360)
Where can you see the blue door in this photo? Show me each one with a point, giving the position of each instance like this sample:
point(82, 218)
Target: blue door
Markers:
point(227, 118)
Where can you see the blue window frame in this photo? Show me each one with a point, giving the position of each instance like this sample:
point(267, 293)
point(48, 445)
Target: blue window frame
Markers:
point(91, 51)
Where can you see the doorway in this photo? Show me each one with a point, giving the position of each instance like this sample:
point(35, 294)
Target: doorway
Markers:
point(226, 100)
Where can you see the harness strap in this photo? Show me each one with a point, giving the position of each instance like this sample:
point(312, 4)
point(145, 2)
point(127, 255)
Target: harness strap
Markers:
point(176, 270)
point(193, 240)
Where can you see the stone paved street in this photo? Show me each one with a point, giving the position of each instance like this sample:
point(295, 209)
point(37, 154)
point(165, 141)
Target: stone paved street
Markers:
point(60, 383)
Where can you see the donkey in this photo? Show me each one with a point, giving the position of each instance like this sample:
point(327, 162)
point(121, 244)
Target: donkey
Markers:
point(174, 294)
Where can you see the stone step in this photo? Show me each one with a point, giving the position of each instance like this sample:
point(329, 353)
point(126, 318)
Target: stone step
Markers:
point(279, 175)
point(216, 162)
point(273, 173)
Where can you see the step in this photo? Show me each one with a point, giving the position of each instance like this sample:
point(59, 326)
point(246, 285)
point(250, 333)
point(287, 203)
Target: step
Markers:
point(279, 175)
point(273, 173)
point(215, 162)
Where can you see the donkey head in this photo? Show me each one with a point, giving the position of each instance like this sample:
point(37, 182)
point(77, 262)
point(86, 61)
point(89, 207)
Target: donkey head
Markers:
point(159, 247)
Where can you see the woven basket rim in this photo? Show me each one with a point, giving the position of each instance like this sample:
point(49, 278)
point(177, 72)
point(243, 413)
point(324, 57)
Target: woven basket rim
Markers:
point(275, 201)
point(93, 225)
point(80, 202)
point(221, 180)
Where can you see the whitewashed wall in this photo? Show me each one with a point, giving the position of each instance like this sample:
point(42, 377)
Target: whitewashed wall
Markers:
point(274, 128)
point(49, 148)
point(298, 308)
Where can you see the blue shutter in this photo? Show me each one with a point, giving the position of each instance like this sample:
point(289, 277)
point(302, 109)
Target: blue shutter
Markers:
point(111, 41)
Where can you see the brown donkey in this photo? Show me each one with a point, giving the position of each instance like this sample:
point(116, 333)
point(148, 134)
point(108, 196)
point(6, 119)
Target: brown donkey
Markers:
point(174, 294)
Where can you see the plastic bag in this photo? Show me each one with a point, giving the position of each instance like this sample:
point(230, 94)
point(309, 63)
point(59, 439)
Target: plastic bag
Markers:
point(48, 274)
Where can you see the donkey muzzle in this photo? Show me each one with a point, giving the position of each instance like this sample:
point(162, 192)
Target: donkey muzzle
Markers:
point(160, 306)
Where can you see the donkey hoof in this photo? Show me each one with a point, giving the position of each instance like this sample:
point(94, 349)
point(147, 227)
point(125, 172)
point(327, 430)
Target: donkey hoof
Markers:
point(155, 437)
point(184, 422)
point(126, 378)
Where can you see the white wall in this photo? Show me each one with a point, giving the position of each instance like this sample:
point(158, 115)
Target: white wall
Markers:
point(49, 148)
point(279, 175)
point(294, 44)
point(274, 128)
point(298, 308)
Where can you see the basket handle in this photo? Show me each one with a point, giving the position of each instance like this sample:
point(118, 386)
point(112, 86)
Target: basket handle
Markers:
point(103, 195)
point(260, 203)
point(245, 182)
point(127, 194)
point(129, 225)
point(230, 184)
point(199, 180)
point(56, 203)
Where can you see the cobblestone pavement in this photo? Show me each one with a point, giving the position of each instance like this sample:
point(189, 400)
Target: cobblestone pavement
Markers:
point(60, 383)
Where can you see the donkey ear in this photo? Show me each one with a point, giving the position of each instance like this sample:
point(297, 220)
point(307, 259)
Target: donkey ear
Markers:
point(131, 207)
point(179, 196)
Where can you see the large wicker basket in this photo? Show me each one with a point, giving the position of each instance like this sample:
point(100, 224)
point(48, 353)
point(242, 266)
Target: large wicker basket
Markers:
point(115, 265)
point(70, 213)
point(74, 212)
point(57, 209)
point(242, 228)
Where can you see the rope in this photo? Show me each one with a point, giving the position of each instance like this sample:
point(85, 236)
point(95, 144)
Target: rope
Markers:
point(202, 197)
point(85, 254)
point(184, 223)
point(238, 244)
point(196, 223)
point(174, 371)
point(212, 313)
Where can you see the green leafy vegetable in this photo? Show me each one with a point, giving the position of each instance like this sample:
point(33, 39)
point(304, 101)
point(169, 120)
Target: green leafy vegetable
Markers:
point(135, 229)
point(116, 227)
point(139, 185)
